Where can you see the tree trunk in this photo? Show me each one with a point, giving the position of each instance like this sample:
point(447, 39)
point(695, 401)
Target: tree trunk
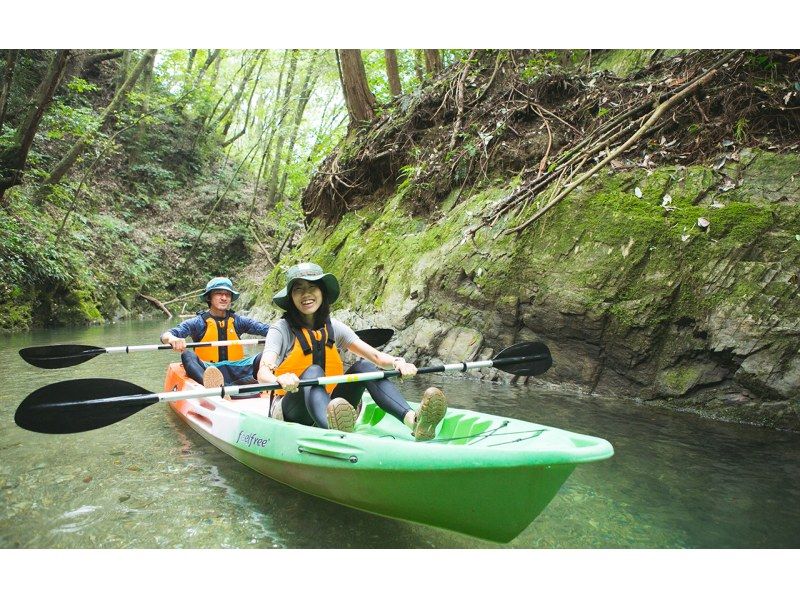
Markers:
point(433, 62)
point(11, 59)
point(393, 73)
point(93, 59)
point(268, 145)
point(357, 95)
point(14, 157)
point(209, 61)
point(246, 122)
point(306, 89)
point(122, 73)
point(228, 113)
point(190, 64)
point(418, 65)
point(147, 85)
point(60, 169)
point(272, 186)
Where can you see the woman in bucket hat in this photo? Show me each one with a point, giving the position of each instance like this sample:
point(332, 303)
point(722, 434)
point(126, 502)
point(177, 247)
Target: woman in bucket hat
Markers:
point(217, 366)
point(304, 344)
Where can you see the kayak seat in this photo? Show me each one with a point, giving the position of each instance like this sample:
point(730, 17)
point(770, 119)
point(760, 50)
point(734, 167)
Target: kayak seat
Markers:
point(459, 428)
point(456, 428)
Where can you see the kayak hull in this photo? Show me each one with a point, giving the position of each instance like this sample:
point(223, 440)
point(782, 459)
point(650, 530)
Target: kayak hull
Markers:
point(484, 475)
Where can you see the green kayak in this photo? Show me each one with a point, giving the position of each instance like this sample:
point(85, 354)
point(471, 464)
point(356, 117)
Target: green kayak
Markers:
point(483, 475)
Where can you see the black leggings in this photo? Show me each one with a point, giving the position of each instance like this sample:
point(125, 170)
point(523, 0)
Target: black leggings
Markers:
point(308, 404)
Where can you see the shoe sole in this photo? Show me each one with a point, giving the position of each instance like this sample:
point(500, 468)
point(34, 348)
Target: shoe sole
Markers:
point(341, 416)
point(431, 412)
point(212, 378)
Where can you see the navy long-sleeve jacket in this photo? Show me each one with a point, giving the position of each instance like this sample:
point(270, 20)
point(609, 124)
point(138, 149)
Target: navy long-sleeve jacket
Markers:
point(196, 326)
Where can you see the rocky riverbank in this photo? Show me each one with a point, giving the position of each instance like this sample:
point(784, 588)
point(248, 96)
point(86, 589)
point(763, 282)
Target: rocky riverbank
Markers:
point(670, 276)
point(633, 300)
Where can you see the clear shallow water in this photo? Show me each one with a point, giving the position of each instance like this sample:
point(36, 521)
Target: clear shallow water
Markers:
point(151, 482)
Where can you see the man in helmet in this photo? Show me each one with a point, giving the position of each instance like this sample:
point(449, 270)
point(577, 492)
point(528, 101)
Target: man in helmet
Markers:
point(217, 366)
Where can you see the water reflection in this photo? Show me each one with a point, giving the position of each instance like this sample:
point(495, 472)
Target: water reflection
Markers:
point(149, 481)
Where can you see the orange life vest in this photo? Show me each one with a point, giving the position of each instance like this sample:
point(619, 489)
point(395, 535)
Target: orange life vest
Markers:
point(312, 347)
point(219, 330)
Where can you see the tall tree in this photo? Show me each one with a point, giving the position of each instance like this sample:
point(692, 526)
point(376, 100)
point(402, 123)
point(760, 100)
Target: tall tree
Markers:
point(8, 73)
point(272, 185)
point(190, 63)
point(357, 95)
point(418, 60)
point(212, 57)
point(229, 112)
point(433, 62)
point(14, 157)
point(60, 169)
point(98, 57)
point(246, 120)
point(393, 73)
point(270, 130)
point(122, 72)
point(146, 86)
point(306, 88)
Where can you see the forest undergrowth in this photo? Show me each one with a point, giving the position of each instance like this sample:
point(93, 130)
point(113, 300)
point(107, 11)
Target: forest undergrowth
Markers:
point(527, 116)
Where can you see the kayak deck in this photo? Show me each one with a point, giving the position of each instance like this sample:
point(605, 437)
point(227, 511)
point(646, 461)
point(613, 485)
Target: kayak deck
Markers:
point(483, 475)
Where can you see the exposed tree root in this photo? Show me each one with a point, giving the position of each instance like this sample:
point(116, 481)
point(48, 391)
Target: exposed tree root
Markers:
point(518, 114)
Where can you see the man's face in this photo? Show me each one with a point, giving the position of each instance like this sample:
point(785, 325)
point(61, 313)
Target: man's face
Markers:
point(220, 300)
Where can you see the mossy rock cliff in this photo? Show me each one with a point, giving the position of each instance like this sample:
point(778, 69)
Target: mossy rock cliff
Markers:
point(632, 299)
point(670, 275)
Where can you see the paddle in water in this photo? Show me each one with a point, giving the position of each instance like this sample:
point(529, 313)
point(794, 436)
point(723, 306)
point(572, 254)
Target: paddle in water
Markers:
point(62, 356)
point(88, 404)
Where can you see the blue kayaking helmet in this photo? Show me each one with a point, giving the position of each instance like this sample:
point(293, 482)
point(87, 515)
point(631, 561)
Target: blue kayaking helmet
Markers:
point(219, 283)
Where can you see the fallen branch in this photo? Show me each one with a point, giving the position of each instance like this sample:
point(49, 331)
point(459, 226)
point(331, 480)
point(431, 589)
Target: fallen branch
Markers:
point(546, 157)
point(261, 245)
point(460, 101)
point(656, 114)
point(157, 303)
point(184, 296)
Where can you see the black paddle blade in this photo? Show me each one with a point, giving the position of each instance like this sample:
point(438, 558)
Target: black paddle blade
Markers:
point(80, 405)
point(59, 356)
point(375, 337)
point(524, 359)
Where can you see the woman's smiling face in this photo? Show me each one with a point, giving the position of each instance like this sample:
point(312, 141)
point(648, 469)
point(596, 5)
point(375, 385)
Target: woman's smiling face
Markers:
point(307, 297)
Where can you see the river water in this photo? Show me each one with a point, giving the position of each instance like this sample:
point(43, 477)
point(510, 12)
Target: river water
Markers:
point(676, 481)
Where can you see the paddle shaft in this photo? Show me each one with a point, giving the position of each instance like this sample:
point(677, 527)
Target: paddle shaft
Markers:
point(135, 348)
point(63, 356)
point(328, 380)
point(81, 405)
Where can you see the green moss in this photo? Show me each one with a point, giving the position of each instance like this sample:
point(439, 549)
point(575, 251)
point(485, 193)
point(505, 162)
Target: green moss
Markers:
point(603, 250)
point(740, 223)
point(16, 311)
point(624, 62)
point(678, 380)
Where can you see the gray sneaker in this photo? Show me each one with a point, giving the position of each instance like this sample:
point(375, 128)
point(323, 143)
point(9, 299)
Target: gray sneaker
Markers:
point(431, 411)
point(341, 415)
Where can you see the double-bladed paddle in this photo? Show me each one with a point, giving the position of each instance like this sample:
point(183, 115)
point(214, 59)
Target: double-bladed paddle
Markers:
point(62, 356)
point(88, 404)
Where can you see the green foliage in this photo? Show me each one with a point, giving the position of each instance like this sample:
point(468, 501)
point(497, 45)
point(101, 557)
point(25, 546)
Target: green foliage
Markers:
point(740, 130)
point(540, 64)
point(27, 260)
point(153, 176)
point(763, 61)
point(79, 85)
point(64, 121)
point(407, 175)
